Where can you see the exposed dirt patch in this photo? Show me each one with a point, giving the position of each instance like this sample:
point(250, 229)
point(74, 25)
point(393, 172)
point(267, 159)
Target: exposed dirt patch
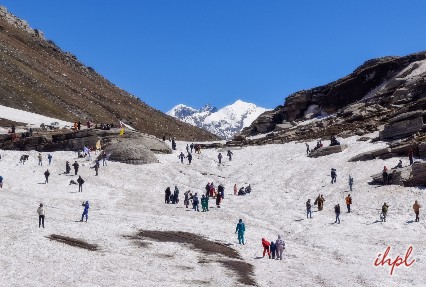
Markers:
point(243, 269)
point(198, 242)
point(73, 242)
point(8, 123)
point(216, 251)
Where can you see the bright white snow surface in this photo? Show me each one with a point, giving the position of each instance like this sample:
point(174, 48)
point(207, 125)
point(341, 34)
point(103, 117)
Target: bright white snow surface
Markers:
point(28, 117)
point(127, 198)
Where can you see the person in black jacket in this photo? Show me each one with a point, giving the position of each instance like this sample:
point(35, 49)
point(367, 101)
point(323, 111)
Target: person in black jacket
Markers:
point(80, 182)
point(46, 175)
point(67, 167)
point(333, 175)
point(308, 209)
point(337, 211)
point(167, 194)
point(76, 166)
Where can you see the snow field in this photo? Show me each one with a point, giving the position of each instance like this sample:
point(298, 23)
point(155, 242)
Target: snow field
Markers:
point(125, 199)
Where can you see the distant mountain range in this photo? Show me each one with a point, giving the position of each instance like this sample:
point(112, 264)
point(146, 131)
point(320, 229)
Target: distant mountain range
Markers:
point(225, 122)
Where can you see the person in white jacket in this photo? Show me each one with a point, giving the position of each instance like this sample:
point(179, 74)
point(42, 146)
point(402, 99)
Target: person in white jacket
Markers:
point(40, 211)
point(280, 245)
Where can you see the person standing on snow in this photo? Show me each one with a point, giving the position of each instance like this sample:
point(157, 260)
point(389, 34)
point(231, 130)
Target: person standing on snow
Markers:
point(410, 155)
point(320, 201)
point(1, 181)
point(40, 159)
point(235, 189)
point(229, 154)
point(176, 195)
point(204, 203)
point(167, 194)
point(280, 246)
point(96, 167)
point(80, 182)
point(266, 245)
point(187, 148)
point(385, 175)
point(181, 156)
point(240, 229)
point(49, 158)
point(189, 157)
point(308, 209)
point(307, 149)
point(85, 211)
point(46, 176)
point(273, 249)
point(40, 212)
point(333, 175)
point(385, 208)
point(416, 208)
point(67, 167)
point(191, 147)
point(337, 211)
point(104, 158)
point(75, 165)
point(348, 200)
point(219, 157)
point(195, 202)
point(351, 182)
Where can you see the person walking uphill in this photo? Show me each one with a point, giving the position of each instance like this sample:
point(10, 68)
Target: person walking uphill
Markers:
point(240, 229)
point(280, 246)
point(416, 208)
point(49, 158)
point(40, 212)
point(337, 211)
point(85, 211)
point(189, 157)
point(46, 176)
point(76, 166)
point(348, 200)
point(80, 182)
point(266, 247)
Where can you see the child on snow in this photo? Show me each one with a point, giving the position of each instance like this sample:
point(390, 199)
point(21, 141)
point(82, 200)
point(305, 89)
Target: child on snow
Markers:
point(273, 249)
point(266, 245)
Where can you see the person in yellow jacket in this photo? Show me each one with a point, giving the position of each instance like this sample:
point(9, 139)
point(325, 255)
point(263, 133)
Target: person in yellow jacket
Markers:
point(348, 200)
point(416, 207)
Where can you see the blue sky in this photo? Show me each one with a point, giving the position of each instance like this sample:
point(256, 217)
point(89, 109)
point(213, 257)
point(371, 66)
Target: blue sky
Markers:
point(218, 51)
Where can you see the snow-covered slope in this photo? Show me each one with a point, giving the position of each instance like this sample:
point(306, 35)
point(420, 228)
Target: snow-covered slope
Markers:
point(32, 119)
point(225, 122)
point(126, 198)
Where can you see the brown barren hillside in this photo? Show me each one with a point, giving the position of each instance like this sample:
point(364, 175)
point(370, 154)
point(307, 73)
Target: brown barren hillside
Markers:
point(37, 76)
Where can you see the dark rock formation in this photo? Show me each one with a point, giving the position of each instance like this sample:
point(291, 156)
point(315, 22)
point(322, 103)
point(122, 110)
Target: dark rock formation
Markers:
point(414, 175)
point(323, 151)
point(387, 92)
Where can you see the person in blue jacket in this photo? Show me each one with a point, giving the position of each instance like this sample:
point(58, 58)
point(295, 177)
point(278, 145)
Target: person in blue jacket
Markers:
point(240, 229)
point(86, 211)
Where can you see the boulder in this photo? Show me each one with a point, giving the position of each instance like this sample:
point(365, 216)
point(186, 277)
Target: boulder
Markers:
point(413, 175)
point(127, 151)
point(323, 151)
point(398, 176)
point(402, 126)
point(380, 152)
point(418, 175)
point(362, 157)
point(422, 149)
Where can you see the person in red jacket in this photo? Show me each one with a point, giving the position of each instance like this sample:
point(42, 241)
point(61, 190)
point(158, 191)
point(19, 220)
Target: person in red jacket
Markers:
point(266, 244)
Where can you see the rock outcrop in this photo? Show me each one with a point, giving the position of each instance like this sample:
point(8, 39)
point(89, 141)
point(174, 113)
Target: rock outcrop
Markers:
point(387, 93)
point(414, 175)
point(132, 147)
point(327, 150)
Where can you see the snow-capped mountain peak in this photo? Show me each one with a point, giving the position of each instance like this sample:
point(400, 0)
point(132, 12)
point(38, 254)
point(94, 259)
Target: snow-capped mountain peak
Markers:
point(225, 122)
